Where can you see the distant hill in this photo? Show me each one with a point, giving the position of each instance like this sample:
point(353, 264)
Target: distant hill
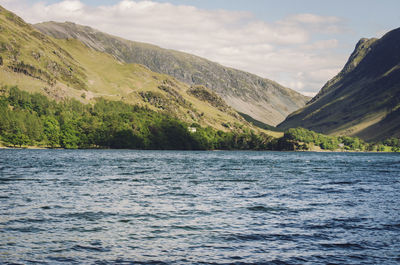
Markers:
point(65, 68)
point(260, 98)
point(363, 99)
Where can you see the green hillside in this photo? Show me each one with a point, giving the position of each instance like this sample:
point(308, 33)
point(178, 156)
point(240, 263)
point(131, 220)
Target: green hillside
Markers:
point(65, 68)
point(260, 98)
point(363, 99)
point(34, 120)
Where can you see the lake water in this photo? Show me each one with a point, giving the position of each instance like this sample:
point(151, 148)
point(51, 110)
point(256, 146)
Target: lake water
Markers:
point(153, 207)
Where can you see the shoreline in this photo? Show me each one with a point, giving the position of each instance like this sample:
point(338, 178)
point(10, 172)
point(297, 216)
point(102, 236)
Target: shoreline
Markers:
point(212, 150)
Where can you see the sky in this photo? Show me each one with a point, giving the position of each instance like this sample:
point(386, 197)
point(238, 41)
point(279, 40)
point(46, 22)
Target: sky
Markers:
point(300, 44)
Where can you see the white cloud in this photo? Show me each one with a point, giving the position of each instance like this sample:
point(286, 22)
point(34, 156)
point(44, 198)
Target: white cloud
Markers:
point(322, 24)
point(322, 45)
point(284, 50)
point(312, 19)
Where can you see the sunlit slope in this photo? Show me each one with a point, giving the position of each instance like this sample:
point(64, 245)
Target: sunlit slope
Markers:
point(134, 83)
point(68, 69)
point(26, 51)
point(262, 99)
point(363, 99)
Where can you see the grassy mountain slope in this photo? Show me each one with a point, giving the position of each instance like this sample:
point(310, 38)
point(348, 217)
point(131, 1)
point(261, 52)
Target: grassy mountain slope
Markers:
point(363, 99)
point(25, 51)
point(66, 68)
point(260, 98)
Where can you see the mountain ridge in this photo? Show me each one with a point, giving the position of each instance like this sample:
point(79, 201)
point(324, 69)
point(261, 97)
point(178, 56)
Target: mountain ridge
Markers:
point(361, 100)
point(261, 98)
point(62, 69)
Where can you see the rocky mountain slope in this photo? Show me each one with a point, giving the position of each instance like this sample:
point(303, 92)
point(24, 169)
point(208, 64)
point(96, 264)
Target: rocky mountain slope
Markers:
point(66, 68)
point(363, 99)
point(260, 98)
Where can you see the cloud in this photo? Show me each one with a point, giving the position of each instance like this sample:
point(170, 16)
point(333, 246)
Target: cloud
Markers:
point(322, 45)
point(311, 19)
point(322, 24)
point(289, 51)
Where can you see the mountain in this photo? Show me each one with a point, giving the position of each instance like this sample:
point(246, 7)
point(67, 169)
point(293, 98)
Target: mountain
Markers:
point(66, 68)
point(260, 98)
point(363, 99)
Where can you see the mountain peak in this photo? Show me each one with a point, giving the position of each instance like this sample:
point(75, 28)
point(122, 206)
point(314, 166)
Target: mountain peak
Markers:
point(361, 100)
point(361, 49)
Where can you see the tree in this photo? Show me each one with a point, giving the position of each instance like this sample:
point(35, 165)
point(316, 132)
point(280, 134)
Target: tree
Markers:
point(69, 137)
point(52, 131)
point(126, 139)
point(16, 138)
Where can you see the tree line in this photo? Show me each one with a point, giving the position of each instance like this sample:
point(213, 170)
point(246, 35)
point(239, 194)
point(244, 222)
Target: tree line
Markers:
point(34, 120)
point(303, 139)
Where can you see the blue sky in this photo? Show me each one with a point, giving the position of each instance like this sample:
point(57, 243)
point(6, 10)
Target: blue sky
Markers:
point(300, 44)
point(365, 17)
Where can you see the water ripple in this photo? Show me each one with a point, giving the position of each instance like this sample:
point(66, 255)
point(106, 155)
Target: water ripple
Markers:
point(170, 207)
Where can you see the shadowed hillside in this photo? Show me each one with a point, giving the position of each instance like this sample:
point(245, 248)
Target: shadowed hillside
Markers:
point(363, 99)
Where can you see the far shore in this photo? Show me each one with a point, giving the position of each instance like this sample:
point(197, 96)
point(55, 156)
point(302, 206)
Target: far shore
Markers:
point(214, 150)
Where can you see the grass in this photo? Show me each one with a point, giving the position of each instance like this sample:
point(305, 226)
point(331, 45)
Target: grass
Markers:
point(111, 79)
point(85, 74)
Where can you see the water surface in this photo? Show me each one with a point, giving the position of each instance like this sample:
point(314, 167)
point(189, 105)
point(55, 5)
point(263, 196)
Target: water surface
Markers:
point(133, 207)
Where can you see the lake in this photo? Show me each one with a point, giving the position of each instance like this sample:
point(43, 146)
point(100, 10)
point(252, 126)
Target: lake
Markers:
point(170, 207)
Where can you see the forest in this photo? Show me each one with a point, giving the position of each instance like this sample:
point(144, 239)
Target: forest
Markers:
point(34, 120)
point(303, 139)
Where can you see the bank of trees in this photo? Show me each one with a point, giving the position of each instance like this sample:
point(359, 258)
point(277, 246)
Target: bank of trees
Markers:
point(33, 119)
point(303, 139)
point(393, 142)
